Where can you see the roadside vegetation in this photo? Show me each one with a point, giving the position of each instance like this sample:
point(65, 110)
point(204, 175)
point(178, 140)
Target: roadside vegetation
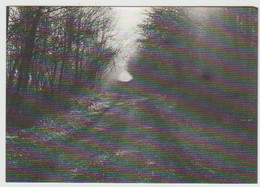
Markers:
point(52, 52)
point(205, 57)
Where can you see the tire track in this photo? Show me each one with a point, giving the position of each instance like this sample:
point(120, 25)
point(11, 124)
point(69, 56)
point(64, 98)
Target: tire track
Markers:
point(173, 154)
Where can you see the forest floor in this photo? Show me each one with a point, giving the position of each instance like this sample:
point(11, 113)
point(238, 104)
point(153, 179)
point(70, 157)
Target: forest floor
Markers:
point(123, 137)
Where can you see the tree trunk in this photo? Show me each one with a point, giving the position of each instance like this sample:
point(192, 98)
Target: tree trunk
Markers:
point(61, 72)
point(67, 50)
point(26, 60)
point(27, 54)
point(76, 75)
point(12, 72)
point(53, 79)
point(7, 17)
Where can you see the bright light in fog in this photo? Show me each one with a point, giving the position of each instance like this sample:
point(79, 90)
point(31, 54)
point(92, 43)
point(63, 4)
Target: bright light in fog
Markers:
point(126, 34)
point(125, 77)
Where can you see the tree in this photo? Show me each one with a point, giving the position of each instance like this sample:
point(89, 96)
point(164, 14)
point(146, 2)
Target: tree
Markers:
point(54, 50)
point(205, 55)
point(179, 43)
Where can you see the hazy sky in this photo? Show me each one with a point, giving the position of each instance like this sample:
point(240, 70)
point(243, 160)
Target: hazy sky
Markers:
point(129, 17)
point(127, 31)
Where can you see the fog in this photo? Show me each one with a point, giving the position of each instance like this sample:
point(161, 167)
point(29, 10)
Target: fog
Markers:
point(127, 20)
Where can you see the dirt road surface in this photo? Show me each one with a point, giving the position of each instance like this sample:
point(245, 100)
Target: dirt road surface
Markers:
point(122, 137)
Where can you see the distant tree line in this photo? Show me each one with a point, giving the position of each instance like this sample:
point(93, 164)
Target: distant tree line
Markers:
point(54, 50)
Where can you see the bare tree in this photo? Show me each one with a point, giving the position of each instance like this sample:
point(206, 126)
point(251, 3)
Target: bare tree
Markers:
point(54, 50)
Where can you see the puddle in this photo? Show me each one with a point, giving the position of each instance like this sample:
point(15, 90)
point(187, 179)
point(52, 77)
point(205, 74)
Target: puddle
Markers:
point(150, 162)
point(122, 152)
point(97, 129)
point(147, 127)
point(11, 136)
point(100, 159)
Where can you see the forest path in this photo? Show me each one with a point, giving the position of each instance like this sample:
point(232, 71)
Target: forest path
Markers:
point(130, 138)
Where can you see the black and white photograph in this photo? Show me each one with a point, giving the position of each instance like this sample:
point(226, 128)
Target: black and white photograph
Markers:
point(131, 94)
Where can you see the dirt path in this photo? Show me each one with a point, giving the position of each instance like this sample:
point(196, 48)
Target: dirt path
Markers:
point(122, 147)
point(131, 138)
